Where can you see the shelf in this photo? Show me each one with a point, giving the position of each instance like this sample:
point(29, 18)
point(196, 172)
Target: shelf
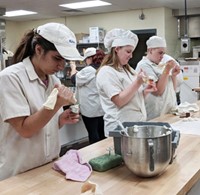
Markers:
point(88, 44)
point(82, 46)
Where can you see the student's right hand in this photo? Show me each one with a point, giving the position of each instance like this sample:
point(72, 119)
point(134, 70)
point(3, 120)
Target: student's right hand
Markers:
point(169, 66)
point(65, 96)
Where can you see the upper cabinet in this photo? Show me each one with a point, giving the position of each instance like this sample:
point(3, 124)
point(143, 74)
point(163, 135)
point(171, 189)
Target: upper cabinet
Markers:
point(189, 27)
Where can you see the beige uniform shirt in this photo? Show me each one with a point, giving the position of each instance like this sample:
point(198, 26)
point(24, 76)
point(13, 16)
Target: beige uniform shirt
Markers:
point(111, 82)
point(22, 94)
point(157, 105)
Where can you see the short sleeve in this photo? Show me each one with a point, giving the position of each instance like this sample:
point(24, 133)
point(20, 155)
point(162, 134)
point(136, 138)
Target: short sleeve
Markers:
point(108, 82)
point(12, 99)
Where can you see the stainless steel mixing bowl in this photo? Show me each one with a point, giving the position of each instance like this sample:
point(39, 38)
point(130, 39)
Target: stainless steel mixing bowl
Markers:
point(146, 150)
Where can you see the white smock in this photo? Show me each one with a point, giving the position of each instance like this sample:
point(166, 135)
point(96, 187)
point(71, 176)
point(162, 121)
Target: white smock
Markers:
point(157, 105)
point(22, 94)
point(87, 94)
point(111, 82)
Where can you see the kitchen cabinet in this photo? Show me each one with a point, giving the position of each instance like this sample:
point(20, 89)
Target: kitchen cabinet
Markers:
point(73, 134)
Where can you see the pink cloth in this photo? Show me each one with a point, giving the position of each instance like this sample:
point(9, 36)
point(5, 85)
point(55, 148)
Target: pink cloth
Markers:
point(71, 164)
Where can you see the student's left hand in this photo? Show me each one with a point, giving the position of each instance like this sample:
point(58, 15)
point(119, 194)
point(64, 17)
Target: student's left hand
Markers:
point(150, 88)
point(68, 117)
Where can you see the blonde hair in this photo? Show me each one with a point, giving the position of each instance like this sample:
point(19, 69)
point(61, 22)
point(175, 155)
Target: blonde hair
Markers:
point(111, 59)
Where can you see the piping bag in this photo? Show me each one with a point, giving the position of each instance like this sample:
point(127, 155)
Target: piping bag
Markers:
point(51, 100)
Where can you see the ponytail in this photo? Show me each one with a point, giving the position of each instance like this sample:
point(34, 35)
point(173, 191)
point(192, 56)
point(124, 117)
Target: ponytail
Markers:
point(27, 46)
point(24, 49)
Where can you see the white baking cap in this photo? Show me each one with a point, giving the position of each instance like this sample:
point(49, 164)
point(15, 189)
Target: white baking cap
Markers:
point(90, 51)
point(155, 42)
point(63, 39)
point(119, 37)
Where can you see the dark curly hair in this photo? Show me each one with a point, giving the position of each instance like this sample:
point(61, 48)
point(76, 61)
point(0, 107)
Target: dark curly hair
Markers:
point(98, 57)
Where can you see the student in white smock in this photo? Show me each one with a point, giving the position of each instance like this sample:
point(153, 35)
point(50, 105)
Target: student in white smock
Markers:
point(29, 117)
point(88, 96)
point(120, 88)
point(164, 99)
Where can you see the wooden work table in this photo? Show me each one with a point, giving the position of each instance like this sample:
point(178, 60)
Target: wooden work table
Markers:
point(178, 178)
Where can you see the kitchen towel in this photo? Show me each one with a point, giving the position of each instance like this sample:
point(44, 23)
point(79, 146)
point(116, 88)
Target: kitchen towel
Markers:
point(187, 107)
point(71, 164)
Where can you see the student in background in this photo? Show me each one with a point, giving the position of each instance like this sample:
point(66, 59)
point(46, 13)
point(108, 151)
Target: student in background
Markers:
point(29, 129)
point(88, 97)
point(89, 52)
point(164, 99)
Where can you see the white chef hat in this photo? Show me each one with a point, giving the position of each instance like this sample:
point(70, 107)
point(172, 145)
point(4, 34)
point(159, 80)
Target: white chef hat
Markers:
point(120, 37)
point(90, 51)
point(155, 42)
point(63, 39)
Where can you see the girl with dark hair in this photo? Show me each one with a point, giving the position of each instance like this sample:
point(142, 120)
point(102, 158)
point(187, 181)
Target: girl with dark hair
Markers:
point(32, 99)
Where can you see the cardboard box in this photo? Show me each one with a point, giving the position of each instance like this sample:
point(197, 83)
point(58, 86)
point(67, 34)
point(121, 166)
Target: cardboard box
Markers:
point(96, 34)
point(82, 37)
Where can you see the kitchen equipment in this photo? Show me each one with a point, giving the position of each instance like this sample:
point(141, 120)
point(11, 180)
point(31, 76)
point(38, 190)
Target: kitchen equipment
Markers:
point(148, 151)
point(185, 45)
point(191, 73)
point(196, 51)
point(148, 148)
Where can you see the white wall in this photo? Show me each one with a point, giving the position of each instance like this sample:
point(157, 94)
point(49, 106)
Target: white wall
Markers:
point(158, 18)
point(15, 30)
point(170, 33)
point(127, 19)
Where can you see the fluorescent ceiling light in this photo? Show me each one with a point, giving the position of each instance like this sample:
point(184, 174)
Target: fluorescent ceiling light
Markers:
point(85, 4)
point(19, 13)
